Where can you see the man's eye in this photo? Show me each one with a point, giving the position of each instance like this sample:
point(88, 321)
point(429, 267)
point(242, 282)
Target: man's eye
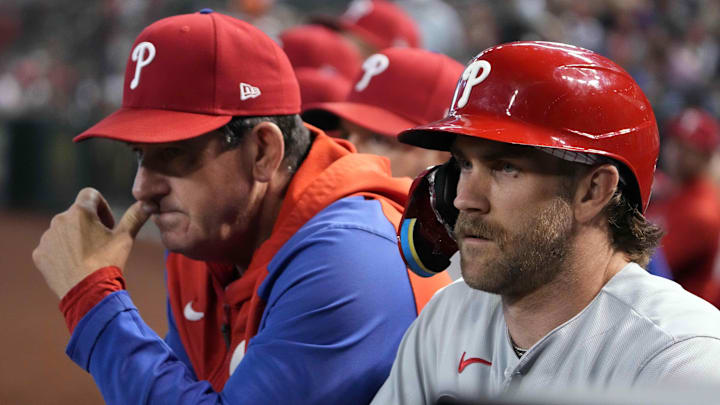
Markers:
point(506, 167)
point(170, 153)
point(381, 140)
point(460, 163)
point(463, 164)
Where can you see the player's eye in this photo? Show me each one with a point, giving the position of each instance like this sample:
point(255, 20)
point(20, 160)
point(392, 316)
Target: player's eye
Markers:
point(380, 140)
point(506, 167)
point(463, 164)
point(170, 153)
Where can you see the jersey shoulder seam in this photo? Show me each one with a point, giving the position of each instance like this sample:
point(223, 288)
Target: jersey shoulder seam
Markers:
point(673, 342)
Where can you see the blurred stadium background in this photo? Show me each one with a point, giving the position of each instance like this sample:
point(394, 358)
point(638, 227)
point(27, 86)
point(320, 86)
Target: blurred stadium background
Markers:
point(61, 70)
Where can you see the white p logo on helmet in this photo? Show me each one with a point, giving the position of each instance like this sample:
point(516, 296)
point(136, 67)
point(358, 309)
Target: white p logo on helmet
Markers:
point(143, 59)
point(473, 76)
point(373, 66)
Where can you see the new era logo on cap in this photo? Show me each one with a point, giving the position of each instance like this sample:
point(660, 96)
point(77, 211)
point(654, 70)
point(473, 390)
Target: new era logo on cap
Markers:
point(248, 91)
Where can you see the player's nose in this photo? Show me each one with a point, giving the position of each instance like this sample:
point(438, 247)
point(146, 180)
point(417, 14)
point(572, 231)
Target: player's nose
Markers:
point(472, 192)
point(149, 185)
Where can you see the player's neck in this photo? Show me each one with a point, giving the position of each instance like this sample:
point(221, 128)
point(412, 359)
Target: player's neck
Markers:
point(590, 266)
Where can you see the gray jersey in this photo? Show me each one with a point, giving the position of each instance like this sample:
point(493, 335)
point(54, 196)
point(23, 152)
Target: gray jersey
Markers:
point(640, 329)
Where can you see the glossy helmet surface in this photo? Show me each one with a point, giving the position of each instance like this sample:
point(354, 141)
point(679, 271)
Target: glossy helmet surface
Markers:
point(556, 96)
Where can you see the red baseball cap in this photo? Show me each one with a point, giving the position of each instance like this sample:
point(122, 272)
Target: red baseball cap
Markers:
point(378, 22)
point(399, 88)
point(190, 74)
point(321, 85)
point(697, 128)
point(315, 46)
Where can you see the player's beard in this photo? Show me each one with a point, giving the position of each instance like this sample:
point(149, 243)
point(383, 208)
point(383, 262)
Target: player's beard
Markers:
point(516, 263)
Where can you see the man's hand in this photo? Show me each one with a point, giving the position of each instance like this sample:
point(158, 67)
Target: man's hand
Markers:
point(85, 238)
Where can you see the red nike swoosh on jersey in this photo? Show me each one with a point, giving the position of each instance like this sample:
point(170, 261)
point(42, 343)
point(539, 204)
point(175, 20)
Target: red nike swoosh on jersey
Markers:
point(464, 363)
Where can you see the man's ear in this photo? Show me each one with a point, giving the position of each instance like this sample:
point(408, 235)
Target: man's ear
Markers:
point(594, 190)
point(270, 148)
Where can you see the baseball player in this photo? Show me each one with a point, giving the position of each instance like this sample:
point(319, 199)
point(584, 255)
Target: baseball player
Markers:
point(399, 88)
point(282, 262)
point(373, 25)
point(325, 63)
point(554, 149)
point(690, 211)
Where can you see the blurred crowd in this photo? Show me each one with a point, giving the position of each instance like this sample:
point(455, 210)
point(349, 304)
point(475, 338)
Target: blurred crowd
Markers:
point(65, 60)
point(62, 64)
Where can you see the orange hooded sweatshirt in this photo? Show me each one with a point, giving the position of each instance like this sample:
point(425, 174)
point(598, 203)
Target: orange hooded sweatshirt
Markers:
point(216, 316)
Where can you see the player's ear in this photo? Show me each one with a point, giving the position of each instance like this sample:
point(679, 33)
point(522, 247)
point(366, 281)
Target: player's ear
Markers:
point(594, 190)
point(270, 149)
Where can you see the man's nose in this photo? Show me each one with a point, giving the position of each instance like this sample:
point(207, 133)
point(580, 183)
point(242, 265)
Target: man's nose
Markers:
point(149, 185)
point(473, 192)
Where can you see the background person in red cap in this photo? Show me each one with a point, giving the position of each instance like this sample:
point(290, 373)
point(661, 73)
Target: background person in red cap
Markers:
point(373, 25)
point(398, 88)
point(283, 275)
point(318, 47)
point(321, 85)
point(553, 161)
point(325, 63)
point(690, 212)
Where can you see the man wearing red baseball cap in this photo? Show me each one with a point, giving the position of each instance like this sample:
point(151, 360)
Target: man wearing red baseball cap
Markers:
point(325, 62)
point(373, 25)
point(554, 149)
point(399, 88)
point(283, 275)
point(690, 211)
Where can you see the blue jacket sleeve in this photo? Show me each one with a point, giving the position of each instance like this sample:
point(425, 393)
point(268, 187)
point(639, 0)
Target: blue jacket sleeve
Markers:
point(129, 362)
point(172, 338)
point(658, 265)
point(334, 319)
point(338, 302)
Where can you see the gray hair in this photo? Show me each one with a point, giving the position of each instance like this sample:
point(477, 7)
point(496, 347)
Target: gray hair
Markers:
point(296, 136)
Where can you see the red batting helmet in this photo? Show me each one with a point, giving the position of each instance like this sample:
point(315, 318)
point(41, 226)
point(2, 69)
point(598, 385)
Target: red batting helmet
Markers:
point(557, 96)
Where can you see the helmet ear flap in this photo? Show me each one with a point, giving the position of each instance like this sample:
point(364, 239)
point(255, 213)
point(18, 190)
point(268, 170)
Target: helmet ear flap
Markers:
point(445, 189)
point(425, 237)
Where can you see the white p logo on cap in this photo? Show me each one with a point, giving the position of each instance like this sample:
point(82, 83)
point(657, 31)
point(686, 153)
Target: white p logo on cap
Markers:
point(143, 59)
point(373, 66)
point(473, 76)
